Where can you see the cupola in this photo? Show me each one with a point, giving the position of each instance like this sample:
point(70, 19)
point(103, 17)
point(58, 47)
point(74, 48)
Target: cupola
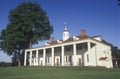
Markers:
point(66, 34)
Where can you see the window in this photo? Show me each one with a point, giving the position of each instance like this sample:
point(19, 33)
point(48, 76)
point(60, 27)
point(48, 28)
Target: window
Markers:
point(68, 48)
point(87, 58)
point(86, 47)
point(68, 58)
point(79, 47)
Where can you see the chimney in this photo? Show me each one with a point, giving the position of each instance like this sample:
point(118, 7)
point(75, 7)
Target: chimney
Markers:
point(52, 39)
point(83, 32)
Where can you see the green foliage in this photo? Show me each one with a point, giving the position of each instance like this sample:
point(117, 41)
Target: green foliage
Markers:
point(31, 22)
point(59, 73)
point(27, 25)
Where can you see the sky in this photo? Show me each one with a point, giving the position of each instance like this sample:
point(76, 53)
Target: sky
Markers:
point(97, 17)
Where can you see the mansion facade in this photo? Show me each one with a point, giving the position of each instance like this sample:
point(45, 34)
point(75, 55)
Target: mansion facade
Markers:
point(79, 50)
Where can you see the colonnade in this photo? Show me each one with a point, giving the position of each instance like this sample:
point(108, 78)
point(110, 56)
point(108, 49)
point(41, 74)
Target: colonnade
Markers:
point(62, 53)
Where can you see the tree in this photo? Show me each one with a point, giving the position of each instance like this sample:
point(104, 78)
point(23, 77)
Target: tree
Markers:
point(118, 2)
point(5, 64)
point(27, 25)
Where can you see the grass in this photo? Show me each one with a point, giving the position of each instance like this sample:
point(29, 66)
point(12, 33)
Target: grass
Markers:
point(58, 73)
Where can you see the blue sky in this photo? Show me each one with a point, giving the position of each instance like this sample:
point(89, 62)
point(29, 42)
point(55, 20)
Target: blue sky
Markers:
point(97, 17)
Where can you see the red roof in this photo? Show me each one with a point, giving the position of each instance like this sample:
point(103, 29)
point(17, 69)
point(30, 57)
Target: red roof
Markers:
point(69, 39)
point(103, 58)
point(53, 42)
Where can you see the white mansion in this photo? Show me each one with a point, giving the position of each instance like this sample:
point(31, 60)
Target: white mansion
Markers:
point(79, 50)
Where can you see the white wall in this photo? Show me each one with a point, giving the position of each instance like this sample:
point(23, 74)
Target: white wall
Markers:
point(92, 57)
point(95, 53)
point(104, 51)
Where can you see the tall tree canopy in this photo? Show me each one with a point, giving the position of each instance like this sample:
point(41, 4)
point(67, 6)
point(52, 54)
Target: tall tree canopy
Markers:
point(28, 24)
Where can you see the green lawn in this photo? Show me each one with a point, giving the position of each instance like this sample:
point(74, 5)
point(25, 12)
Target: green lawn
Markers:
point(58, 73)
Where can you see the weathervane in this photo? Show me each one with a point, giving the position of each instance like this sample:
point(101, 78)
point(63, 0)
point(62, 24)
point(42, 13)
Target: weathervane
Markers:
point(65, 24)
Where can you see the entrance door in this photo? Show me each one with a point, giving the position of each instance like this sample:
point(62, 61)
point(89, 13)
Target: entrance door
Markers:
point(79, 61)
point(57, 61)
point(41, 62)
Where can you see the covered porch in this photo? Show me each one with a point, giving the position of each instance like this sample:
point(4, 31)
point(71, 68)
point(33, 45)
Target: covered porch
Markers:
point(71, 54)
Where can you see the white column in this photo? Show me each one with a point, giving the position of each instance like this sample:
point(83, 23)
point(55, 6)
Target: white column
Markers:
point(44, 56)
point(62, 48)
point(25, 58)
point(52, 56)
point(88, 45)
point(36, 57)
point(74, 54)
point(30, 60)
